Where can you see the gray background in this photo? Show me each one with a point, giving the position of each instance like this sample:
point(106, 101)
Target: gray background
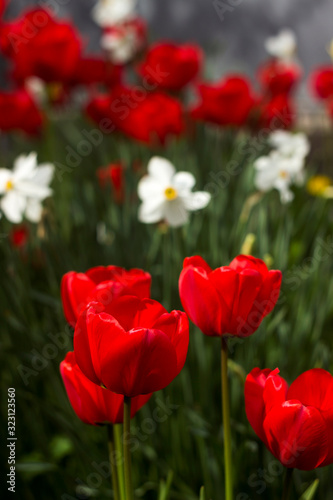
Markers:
point(235, 43)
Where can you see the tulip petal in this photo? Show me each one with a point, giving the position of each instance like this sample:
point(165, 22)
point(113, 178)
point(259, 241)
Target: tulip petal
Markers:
point(201, 300)
point(254, 399)
point(197, 261)
point(176, 326)
point(141, 361)
point(296, 435)
point(75, 288)
point(267, 296)
point(83, 345)
point(249, 283)
point(248, 262)
point(315, 388)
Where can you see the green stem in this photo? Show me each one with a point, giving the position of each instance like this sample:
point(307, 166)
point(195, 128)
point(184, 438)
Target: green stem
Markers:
point(117, 430)
point(112, 458)
point(287, 484)
point(226, 421)
point(127, 451)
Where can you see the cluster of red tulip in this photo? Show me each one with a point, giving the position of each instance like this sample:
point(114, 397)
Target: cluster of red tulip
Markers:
point(150, 111)
point(127, 346)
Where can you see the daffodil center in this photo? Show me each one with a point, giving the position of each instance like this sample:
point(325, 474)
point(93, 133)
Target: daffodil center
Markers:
point(170, 193)
point(9, 185)
point(283, 174)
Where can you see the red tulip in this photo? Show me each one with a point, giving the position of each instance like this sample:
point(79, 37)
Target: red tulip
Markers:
point(93, 404)
point(322, 82)
point(18, 111)
point(93, 70)
point(40, 46)
point(131, 346)
point(277, 77)
point(113, 175)
point(147, 117)
point(171, 67)
point(101, 284)
point(229, 300)
point(275, 113)
point(296, 424)
point(226, 103)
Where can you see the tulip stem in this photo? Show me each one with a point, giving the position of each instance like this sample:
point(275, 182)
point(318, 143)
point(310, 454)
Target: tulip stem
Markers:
point(118, 429)
point(113, 458)
point(127, 451)
point(287, 484)
point(226, 421)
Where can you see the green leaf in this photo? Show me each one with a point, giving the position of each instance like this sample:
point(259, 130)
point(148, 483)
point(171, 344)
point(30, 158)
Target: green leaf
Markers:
point(310, 492)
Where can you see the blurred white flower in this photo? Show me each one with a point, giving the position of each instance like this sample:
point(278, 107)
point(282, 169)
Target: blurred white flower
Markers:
point(283, 46)
point(284, 166)
point(122, 42)
point(167, 195)
point(110, 12)
point(290, 144)
point(37, 88)
point(24, 188)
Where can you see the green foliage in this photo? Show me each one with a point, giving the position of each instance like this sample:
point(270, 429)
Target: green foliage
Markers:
point(57, 455)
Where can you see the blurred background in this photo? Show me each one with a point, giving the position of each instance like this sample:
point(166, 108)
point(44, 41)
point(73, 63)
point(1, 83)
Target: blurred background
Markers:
point(234, 40)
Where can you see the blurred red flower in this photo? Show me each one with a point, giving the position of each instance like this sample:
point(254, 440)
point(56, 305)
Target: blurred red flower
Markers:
point(113, 175)
point(228, 102)
point(277, 77)
point(19, 236)
point(40, 46)
point(102, 284)
point(296, 424)
point(147, 117)
point(18, 111)
point(93, 404)
point(94, 70)
point(131, 346)
point(228, 300)
point(275, 112)
point(321, 82)
point(171, 67)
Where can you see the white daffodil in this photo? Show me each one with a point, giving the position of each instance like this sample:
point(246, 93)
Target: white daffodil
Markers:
point(279, 172)
point(24, 188)
point(167, 195)
point(110, 12)
point(289, 144)
point(283, 46)
point(121, 45)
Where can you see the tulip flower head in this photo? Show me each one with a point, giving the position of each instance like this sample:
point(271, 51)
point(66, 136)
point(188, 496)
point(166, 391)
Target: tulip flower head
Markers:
point(167, 195)
point(284, 166)
point(232, 299)
point(179, 64)
point(24, 188)
point(91, 403)
point(101, 284)
point(131, 346)
point(295, 423)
